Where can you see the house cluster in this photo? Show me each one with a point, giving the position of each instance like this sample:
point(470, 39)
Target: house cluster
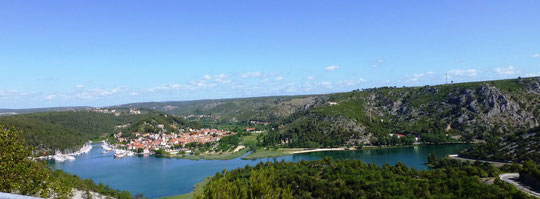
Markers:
point(132, 111)
point(106, 110)
point(401, 135)
point(155, 141)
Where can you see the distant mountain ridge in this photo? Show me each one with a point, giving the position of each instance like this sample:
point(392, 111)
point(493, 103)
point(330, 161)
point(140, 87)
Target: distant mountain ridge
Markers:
point(463, 111)
point(466, 111)
point(38, 110)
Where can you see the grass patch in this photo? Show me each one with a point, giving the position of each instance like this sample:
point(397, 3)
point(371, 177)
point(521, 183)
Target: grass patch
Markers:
point(198, 188)
point(249, 140)
point(268, 153)
point(216, 156)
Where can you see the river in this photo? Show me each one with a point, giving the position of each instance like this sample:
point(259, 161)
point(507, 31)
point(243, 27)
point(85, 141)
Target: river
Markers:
point(158, 177)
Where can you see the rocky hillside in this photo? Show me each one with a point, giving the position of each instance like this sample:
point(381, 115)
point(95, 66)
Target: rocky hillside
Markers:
point(465, 111)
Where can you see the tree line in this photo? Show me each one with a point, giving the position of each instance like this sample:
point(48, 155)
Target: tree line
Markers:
point(20, 174)
point(326, 178)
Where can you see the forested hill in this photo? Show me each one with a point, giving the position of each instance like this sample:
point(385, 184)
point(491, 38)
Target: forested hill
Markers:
point(52, 131)
point(235, 110)
point(354, 179)
point(517, 147)
point(4, 112)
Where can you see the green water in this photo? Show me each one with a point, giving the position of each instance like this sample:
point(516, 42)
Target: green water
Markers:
point(157, 177)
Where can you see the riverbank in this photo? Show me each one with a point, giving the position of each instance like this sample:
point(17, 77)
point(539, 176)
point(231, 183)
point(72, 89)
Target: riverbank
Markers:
point(215, 156)
point(279, 152)
point(197, 189)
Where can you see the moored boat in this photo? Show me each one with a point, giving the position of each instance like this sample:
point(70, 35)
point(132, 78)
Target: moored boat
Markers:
point(120, 153)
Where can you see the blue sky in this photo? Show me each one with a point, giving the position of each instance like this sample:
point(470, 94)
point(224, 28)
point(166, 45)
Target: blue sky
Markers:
point(101, 53)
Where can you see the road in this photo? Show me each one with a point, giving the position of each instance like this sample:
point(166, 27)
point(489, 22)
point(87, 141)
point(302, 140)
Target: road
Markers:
point(511, 178)
point(497, 164)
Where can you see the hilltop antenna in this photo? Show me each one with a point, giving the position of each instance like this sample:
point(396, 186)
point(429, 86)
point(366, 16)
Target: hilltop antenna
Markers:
point(446, 78)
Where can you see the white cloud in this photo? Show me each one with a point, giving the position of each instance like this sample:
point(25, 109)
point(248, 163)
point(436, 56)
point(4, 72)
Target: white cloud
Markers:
point(537, 55)
point(533, 74)
point(207, 77)
point(378, 62)
point(331, 68)
point(98, 93)
point(348, 83)
point(251, 75)
point(463, 73)
point(50, 97)
point(279, 78)
point(417, 76)
point(79, 86)
point(310, 77)
point(166, 87)
point(326, 84)
point(221, 78)
point(12, 93)
point(510, 70)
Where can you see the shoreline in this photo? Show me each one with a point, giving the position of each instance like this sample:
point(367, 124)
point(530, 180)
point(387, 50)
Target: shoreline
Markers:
point(321, 149)
point(279, 152)
point(83, 150)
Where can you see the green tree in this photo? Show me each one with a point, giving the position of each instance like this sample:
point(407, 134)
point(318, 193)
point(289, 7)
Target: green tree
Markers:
point(19, 174)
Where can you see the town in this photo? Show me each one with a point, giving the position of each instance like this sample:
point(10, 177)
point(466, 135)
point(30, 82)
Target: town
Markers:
point(171, 143)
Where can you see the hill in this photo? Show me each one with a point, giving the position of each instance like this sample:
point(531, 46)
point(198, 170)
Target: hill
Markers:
point(441, 113)
point(4, 112)
point(466, 111)
point(432, 114)
point(22, 175)
point(517, 147)
point(68, 130)
point(234, 110)
point(354, 179)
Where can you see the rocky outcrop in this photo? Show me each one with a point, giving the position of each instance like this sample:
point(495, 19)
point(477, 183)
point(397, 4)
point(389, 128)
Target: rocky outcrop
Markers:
point(476, 109)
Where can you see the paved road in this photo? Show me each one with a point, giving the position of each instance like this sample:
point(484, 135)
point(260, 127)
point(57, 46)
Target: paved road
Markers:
point(511, 178)
point(497, 164)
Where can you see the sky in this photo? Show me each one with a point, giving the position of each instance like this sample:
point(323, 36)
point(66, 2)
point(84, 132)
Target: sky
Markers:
point(103, 53)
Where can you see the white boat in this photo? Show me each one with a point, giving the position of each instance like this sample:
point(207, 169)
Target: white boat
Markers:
point(59, 158)
point(120, 153)
point(68, 157)
point(86, 149)
point(106, 147)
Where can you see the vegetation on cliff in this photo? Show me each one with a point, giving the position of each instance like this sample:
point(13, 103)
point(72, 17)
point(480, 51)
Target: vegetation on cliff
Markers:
point(518, 147)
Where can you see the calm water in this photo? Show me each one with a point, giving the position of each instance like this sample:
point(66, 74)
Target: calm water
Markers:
point(158, 177)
